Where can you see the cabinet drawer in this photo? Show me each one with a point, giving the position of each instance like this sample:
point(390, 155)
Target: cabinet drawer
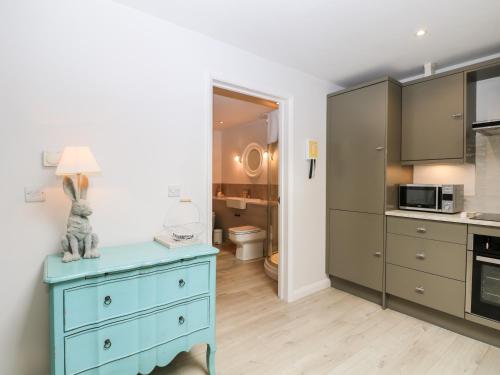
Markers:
point(436, 257)
point(436, 292)
point(93, 348)
point(450, 232)
point(98, 302)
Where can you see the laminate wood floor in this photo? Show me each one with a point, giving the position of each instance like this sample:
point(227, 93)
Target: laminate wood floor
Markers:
point(330, 332)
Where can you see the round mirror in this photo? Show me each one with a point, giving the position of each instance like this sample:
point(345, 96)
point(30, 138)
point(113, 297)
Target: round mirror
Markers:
point(252, 160)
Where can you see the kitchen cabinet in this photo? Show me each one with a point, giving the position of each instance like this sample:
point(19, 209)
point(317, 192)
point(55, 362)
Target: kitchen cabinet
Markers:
point(363, 171)
point(433, 126)
point(357, 242)
point(357, 154)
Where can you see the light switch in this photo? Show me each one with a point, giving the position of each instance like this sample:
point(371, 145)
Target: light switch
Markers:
point(33, 195)
point(51, 158)
point(174, 191)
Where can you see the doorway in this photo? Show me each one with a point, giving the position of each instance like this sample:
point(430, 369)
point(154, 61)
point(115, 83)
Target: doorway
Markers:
point(245, 180)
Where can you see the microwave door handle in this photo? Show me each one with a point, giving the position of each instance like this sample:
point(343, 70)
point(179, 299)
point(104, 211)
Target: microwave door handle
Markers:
point(437, 198)
point(480, 258)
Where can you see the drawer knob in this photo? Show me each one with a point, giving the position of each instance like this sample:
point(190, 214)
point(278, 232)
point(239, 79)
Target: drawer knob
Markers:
point(107, 344)
point(420, 256)
point(182, 283)
point(419, 290)
point(377, 254)
point(107, 300)
point(421, 230)
point(181, 320)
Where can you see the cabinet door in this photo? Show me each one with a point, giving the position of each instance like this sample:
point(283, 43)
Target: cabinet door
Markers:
point(433, 119)
point(357, 123)
point(356, 245)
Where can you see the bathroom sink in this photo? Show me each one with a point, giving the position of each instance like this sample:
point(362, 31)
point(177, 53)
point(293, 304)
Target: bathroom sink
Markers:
point(234, 202)
point(241, 203)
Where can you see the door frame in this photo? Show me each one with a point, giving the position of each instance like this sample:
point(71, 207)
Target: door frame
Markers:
point(285, 102)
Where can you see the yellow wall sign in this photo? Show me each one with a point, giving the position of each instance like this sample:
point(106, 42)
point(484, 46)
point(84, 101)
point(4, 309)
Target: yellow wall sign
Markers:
point(312, 149)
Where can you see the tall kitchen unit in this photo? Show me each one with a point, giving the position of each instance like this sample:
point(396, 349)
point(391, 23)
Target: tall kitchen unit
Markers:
point(363, 171)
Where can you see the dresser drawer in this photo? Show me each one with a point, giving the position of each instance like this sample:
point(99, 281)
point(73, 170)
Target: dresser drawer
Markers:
point(110, 299)
point(118, 340)
point(434, 230)
point(436, 292)
point(437, 257)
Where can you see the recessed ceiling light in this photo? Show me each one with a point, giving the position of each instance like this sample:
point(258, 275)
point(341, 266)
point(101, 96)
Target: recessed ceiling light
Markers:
point(421, 32)
point(221, 122)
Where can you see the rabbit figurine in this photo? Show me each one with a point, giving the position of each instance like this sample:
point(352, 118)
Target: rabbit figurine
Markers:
point(79, 240)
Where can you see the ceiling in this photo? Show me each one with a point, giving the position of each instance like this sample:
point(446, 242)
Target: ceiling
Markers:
point(233, 112)
point(344, 41)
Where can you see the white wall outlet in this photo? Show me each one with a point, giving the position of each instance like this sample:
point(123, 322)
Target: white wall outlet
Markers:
point(33, 195)
point(174, 190)
point(51, 158)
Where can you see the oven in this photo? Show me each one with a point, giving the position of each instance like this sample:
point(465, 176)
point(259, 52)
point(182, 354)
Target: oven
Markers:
point(483, 276)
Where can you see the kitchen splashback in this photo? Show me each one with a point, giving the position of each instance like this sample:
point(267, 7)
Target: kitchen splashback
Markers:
point(482, 182)
point(487, 178)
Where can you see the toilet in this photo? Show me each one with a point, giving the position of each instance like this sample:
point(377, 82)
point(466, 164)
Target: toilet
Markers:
point(249, 241)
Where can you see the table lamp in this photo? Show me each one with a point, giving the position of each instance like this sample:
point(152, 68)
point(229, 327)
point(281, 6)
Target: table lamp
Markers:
point(79, 241)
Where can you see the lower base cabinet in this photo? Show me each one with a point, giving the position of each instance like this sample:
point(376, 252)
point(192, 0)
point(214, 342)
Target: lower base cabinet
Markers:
point(356, 246)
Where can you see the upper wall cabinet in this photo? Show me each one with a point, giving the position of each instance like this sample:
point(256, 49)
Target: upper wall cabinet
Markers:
point(433, 127)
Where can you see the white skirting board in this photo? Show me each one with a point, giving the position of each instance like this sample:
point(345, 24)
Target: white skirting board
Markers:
point(310, 289)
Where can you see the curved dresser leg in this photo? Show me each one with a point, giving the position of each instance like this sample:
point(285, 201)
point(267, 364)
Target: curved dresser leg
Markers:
point(211, 359)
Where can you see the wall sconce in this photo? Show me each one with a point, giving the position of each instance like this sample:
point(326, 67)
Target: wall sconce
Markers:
point(265, 154)
point(237, 159)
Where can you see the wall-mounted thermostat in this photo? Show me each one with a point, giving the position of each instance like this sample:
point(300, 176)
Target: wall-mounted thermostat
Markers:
point(311, 149)
point(312, 155)
point(51, 158)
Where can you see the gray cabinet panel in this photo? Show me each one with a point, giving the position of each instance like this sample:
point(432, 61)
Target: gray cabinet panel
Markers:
point(356, 245)
point(434, 230)
point(357, 130)
point(436, 292)
point(427, 255)
point(433, 119)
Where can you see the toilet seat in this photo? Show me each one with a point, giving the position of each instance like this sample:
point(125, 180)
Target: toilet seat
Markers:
point(245, 229)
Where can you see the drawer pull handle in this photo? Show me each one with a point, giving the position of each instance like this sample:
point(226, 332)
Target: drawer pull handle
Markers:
point(420, 256)
point(457, 115)
point(181, 283)
point(107, 344)
point(421, 230)
point(377, 254)
point(107, 300)
point(419, 290)
point(380, 148)
point(181, 320)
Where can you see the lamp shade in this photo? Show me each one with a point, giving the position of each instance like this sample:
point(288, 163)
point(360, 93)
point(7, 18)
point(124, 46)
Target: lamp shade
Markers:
point(77, 160)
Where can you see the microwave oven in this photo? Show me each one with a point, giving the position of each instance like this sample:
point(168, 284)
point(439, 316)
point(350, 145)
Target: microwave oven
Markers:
point(432, 198)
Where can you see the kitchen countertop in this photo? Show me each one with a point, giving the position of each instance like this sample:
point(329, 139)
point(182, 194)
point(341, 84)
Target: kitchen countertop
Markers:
point(462, 218)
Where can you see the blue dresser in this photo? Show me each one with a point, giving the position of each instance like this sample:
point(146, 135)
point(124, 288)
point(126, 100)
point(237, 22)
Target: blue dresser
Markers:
point(134, 308)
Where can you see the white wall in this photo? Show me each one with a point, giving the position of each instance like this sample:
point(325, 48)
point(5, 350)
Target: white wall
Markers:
point(234, 141)
point(133, 88)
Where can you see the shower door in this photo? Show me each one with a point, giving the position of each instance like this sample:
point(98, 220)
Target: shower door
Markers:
point(273, 199)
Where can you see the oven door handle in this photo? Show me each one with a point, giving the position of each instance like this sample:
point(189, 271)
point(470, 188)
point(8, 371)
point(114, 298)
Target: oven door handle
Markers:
point(480, 258)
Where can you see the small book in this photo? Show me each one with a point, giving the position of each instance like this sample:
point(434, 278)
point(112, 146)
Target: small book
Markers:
point(170, 243)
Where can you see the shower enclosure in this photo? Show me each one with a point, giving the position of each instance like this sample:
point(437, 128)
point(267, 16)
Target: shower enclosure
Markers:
point(272, 256)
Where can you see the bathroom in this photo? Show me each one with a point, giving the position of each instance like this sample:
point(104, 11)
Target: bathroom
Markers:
point(245, 180)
